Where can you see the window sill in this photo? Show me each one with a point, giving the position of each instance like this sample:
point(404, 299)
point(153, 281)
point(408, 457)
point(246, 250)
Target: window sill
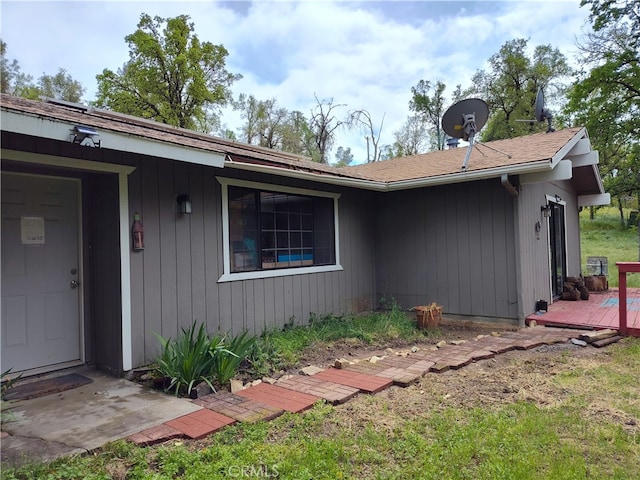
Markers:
point(232, 277)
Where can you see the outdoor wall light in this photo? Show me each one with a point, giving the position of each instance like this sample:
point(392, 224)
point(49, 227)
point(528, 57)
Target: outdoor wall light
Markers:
point(184, 203)
point(81, 133)
point(546, 210)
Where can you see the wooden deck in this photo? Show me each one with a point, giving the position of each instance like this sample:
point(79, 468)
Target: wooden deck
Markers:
point(600, 311)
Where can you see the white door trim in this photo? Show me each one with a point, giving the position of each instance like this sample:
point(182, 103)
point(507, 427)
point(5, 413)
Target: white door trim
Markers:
point(123, 172)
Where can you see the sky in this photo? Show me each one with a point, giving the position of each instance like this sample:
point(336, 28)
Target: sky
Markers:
point(358, 54)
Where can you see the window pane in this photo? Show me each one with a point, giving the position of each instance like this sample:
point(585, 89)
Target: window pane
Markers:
point(323, 229)
point(243, 229)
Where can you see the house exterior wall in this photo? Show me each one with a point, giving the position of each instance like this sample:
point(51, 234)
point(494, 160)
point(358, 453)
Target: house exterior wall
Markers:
point(175, 279)
point(454, 245)
point(534, 250)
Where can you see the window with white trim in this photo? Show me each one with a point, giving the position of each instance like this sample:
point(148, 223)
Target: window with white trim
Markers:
point(271, 231)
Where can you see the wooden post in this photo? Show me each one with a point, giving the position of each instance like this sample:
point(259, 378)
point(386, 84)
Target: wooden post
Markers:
point(623, 269)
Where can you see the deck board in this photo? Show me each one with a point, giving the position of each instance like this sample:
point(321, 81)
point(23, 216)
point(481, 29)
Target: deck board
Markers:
point(600, 311)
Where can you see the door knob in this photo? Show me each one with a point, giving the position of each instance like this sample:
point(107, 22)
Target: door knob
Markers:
point(74, 284)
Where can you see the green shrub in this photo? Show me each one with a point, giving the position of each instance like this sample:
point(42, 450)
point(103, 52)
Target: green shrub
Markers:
point(189, 359)
point(194, 357)
point(227, 361)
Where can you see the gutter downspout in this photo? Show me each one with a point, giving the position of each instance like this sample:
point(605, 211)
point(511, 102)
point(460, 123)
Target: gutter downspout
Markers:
point(504, 179)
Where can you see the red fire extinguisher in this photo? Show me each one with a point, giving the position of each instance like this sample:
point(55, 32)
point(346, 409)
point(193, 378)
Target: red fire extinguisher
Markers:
point(137, 231)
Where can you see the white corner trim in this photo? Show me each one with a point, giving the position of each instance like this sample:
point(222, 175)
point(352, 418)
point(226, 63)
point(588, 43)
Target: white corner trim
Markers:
point(125, 269)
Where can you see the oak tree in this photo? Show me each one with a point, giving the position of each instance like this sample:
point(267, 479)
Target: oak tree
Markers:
point(171, 76)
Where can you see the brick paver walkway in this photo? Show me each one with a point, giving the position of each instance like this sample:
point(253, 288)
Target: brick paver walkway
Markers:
point(299, 392)
point(239, 408)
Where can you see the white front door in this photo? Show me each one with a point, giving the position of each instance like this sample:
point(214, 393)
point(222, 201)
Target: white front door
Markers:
point(40, 272)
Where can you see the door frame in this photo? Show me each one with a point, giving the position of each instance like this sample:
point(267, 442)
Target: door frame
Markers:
point(557, 200)
point(123, 171)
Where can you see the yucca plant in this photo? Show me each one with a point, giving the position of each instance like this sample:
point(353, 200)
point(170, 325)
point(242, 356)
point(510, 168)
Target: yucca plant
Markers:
point(189, 359)
point(227, 361)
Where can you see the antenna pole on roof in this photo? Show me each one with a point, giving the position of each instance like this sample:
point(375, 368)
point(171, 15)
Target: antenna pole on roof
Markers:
point(491, 148)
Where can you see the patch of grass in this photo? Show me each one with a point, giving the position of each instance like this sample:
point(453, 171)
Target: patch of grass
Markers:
point(604, 236)
point(280, 349)
point(509, 441)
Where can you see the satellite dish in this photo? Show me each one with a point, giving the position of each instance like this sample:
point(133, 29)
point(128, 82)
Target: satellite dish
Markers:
point(464, 119)
point(542, 113)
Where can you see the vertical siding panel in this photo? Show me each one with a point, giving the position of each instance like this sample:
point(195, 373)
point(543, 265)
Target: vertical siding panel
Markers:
point(463, 251)
point(512, 281)
point(501, 277)
point(297, 299)
point(475, 272)
point(167, 258)
point(270, 302)
point(249, 307)
point(259, 302)
point(439, 231)
point(224, 307)
point(429, 219)
point(198, 280)
point(183, 251)
point(235, 321)
point(313, 294)
point(486, 251)
point(420, 248)
point(337, 292)
point(452, 239)
point(279, 302)
point(151, 258)
point(288, 299)
point(305, 295)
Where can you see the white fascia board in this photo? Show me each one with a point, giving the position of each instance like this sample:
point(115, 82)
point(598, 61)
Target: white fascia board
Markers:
point(397, 185)
point(562, 171)
point(72, 163)
point(61, 130)
point(589, 200)
point(585, 159)
point(570, 145)
point(581, 147)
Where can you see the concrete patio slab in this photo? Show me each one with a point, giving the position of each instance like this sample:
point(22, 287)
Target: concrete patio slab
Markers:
point(84, 418)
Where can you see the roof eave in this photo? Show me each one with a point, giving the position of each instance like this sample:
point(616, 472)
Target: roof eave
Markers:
point(57, 129)
point(367, 184)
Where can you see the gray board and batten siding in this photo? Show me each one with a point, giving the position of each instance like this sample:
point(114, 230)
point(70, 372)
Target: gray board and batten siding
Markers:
point(175, 280)
point(535, 274)
point(454, 245)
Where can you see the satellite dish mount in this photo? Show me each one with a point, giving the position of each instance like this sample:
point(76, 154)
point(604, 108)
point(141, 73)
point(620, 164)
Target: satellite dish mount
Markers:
point(541, 112)
point(463, 120)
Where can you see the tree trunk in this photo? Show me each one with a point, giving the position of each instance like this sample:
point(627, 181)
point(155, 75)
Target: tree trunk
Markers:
point(592, 212)
point(621, 212)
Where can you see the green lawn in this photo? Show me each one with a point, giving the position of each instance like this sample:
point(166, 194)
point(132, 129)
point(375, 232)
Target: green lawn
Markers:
point(575, 417)
point(605, 237)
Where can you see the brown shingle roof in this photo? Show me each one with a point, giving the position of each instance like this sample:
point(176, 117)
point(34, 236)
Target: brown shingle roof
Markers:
point(531, 149)
point(539, 147)
point(129, 125)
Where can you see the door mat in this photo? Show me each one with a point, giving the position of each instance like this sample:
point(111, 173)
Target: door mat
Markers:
point(27, 391)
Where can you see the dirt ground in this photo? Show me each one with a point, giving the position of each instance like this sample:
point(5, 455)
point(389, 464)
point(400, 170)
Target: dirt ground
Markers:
point(519, 375)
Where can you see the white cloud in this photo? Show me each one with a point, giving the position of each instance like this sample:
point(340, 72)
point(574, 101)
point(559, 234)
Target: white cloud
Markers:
point(363, 54)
